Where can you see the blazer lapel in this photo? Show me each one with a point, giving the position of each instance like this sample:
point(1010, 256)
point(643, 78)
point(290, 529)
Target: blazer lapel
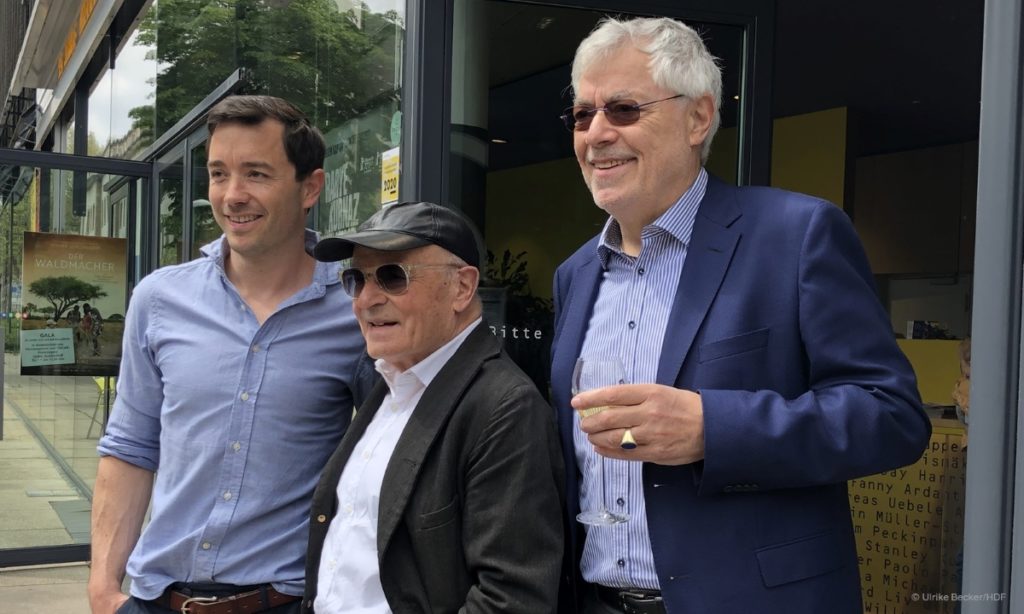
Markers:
point(428, 418)
point(579, 306)
point(336, 464)
point(711, 248)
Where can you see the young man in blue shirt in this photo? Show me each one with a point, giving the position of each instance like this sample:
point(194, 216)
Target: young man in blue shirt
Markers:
point(237, 382)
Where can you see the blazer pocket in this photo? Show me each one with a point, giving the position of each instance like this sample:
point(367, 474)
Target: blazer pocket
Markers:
point(804, 558)
point(737, 344)
point(440, 517)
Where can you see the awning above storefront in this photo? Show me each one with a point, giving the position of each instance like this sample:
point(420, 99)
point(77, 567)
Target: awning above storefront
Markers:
point(48, 29)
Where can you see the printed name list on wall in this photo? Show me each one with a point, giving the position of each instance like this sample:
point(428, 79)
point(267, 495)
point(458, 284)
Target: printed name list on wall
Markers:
point(909, 528)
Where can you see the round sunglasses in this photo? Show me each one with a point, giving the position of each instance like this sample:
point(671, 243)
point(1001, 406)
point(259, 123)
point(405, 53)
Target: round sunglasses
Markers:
point(392, 278)
point(620, 113)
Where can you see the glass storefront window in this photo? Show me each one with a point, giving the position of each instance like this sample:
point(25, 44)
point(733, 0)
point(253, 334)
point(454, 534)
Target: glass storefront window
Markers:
point(68, 137)
point(338, 60)
point(204, 226)
point(57, 418)
point(89, 211)
point(121, 104)
point(171, 186)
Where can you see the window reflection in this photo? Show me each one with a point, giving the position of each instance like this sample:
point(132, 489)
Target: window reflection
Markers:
point(171, 196)
point(204, 227)
point(121, 104)
point(339, 60)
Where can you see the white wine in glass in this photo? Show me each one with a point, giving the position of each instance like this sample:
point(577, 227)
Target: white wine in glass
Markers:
point(593, 373)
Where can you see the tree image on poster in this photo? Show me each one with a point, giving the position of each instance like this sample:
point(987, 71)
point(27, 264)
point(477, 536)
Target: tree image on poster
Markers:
point(63, 292)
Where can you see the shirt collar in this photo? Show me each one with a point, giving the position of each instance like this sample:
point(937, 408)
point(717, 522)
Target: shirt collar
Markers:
point(678, 221)
point(425, 370)
point(324, 274)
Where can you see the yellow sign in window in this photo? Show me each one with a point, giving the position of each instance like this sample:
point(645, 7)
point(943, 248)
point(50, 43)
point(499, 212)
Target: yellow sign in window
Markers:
point(389, 172)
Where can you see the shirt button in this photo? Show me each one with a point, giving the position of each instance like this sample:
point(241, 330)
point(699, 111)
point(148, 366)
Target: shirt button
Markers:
point(245, 396)
point(206, 545)
point(348, 509)
point(640, 271)
point(620, 563)
point(367, 455)
point(632, 325)
point(620, 501)
point(236, 446)
point(256, 348)
point(321, 518)
point(227, 496)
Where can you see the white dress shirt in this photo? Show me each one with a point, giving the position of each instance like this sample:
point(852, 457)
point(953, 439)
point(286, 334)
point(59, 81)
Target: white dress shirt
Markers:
point(349, 575)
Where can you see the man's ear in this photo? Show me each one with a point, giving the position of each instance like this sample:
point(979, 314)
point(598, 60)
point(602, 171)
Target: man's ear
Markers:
point(467, 279)
point(699, 116)
point(311, 188)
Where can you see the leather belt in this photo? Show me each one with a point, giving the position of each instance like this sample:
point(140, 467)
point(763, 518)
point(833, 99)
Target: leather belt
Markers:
point(632, 600)
point(248, 602)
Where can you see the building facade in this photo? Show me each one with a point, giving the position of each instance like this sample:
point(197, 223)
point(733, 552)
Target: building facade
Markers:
point(457, 101)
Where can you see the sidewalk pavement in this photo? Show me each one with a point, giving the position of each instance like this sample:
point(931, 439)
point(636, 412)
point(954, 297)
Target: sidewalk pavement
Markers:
point(54, 590)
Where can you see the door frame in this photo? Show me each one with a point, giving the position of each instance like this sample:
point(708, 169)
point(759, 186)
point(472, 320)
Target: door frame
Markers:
point(994, 523)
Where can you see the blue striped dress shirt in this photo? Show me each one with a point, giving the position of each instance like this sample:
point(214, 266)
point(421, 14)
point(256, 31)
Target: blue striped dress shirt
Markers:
point(629, 321)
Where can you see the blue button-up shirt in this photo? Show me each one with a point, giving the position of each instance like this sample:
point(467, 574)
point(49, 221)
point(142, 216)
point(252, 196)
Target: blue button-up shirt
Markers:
point(236, 418)
point(629, 322)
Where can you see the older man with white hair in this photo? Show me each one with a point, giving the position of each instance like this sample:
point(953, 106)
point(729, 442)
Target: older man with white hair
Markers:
point(445, 494)
point(763, 369)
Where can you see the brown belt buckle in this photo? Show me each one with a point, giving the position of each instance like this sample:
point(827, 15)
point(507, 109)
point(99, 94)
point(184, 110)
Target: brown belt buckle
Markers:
point(185, 609)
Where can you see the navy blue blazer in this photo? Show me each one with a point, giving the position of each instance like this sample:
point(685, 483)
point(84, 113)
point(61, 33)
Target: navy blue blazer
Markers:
point(777, 324)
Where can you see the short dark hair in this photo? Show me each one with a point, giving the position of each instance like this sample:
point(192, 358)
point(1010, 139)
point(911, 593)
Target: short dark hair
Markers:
point(303, 143)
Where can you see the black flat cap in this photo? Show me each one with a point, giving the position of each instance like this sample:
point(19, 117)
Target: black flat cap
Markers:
point(406, 226)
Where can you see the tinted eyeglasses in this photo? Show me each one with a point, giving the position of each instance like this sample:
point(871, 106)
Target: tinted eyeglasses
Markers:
point(619, 113)
point(391, 278)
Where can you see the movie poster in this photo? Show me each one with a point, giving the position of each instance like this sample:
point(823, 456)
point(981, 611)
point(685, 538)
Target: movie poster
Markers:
point(73, 304)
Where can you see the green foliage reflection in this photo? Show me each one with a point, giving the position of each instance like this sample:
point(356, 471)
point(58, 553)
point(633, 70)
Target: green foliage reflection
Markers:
point(335, 65)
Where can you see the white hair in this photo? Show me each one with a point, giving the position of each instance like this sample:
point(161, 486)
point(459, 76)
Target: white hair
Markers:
point(680, 62)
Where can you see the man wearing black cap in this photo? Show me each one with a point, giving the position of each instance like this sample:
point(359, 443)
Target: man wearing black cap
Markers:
point(445, 493)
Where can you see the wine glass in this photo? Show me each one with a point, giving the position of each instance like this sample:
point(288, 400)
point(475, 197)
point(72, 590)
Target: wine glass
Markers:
point(588, 374)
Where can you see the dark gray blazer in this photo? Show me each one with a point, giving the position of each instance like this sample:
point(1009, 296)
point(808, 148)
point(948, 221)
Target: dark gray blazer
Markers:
point(471, 505)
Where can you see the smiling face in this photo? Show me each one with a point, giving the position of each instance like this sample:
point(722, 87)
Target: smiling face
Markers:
point(404, 329)
point(637, 172)
point(257, 201)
